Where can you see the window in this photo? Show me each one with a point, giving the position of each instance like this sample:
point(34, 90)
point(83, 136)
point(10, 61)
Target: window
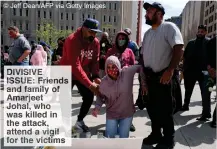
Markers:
point(67, 16)
point(94, 17)
point(115, 7)
point(61, 2)
point(39, 26)
point(109, 30)
point(72, 28)
point(14, 11)
point(215, 16)
point(103, 29)
point(215, 27)
point(114, 18)
point(206, 14)
point(27, 12)
point(207, 3)
point(21, 27)
point(2, 24)
point(15, 24)
point(38, 2)
point(61, 16)
point(72, 16)
point(88, 16)
point(45, 2)
point(210, 19)
point(114, 31)
point(44, 14)
point(61, 28)
point(67, 27)
point(205, 22)
point(20, 12)
point(109, 18)
point(67, 2)
point(212, 9)
point(27, 26)
point(110, 6)
point(50, 15)
point(104, 18)
point(39, 14)
point(1, 10)
point(73, 2)
point(210, 29)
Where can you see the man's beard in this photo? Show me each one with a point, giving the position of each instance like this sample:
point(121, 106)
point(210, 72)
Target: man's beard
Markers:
point(200, 36)
point(153, 21)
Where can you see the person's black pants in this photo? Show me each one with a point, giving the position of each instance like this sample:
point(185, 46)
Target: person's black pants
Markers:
point(160, 106)
point(190, 79)
point(87, 97)
point(206, 99)
point(177, 92)
point(214, 115)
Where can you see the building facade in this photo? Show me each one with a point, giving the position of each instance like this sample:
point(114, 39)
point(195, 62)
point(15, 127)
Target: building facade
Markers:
point(112, 16)
point(210, 17)
point(192, 17)
point(177, 20)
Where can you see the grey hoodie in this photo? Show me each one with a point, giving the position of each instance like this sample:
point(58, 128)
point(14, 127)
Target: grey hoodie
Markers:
point(118, 94)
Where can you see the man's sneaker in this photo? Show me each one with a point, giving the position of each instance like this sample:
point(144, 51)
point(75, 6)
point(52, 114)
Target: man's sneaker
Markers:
point(152, 139)
point(213, 124)
point(163, 144)
point(204, 118)
point(185, 108)
point(132, 128)
point(80, 126)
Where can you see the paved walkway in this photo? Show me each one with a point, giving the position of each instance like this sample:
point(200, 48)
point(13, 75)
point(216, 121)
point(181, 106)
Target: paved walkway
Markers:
point(190, 134)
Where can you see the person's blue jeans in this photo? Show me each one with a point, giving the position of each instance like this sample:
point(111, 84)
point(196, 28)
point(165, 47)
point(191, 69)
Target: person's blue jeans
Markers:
point(119, 127)
point(21, 64)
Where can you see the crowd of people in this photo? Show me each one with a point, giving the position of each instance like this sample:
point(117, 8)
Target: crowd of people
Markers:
point(107, 69)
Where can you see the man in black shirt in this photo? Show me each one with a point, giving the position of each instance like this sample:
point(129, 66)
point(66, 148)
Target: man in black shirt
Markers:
point(211, 67)
point(194, 63)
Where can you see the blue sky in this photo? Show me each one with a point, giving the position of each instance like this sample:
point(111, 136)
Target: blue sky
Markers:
point(172, 8)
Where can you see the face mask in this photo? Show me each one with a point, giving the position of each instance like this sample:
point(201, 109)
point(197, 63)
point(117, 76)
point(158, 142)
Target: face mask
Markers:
point(60, 44)
point(91, 38)
point(121, 42)
point(113, 72)
point(103, 45)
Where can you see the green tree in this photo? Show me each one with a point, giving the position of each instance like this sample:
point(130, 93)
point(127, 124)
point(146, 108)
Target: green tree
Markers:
point(49, 33)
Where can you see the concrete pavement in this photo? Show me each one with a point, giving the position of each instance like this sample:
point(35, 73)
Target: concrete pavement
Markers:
point(190, 134)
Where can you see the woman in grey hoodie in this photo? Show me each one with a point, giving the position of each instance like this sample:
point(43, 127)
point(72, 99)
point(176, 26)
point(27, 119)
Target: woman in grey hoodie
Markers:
point(116, 90)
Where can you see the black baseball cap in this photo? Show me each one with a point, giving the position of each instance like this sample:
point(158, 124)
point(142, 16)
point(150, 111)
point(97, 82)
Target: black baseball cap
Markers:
point(92, 24)
point(202, 27)
point(154, 5)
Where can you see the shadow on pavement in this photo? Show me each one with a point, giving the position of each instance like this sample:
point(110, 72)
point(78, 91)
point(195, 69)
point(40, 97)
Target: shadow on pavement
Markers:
point(197, 133)
point(199, 103)
point(140, 113)
point(13, 147)
point(95, 129)
point(182, 120)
